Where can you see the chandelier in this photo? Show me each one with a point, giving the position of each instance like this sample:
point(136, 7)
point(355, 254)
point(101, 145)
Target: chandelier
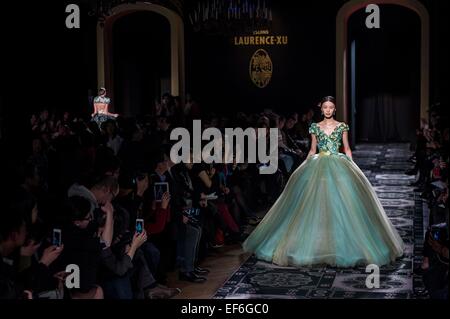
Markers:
point(230, 16)
point(102, 9)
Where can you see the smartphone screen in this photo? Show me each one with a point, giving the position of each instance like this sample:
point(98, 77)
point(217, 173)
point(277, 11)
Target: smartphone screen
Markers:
point(436, 235)
point(139, 225)
point(159, 189)
point(57, 237)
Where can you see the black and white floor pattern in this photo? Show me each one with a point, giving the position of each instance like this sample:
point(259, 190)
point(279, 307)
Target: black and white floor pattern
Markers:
point(384, 165)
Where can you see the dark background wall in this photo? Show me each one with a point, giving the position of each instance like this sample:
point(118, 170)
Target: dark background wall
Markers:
point(43, 64)
point(303, 70)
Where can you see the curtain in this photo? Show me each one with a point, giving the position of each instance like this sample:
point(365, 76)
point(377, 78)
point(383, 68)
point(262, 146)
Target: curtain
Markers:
point(387, 118)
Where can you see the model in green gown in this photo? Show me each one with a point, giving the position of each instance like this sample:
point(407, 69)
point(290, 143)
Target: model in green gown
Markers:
point(328, 213)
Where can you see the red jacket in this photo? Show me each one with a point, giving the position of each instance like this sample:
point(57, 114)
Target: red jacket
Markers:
point(159, 218)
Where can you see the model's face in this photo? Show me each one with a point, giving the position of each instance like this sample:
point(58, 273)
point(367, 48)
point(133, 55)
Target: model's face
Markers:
point(328, 109)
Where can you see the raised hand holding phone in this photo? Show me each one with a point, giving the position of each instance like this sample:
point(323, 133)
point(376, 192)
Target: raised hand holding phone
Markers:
point(50, 254)
point(139, 239)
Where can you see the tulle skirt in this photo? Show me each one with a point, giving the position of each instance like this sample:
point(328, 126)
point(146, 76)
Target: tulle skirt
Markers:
point(328, 213)
point(102, 118)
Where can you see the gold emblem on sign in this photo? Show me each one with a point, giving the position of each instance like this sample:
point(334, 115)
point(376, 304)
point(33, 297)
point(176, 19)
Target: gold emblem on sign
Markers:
point(261, 68)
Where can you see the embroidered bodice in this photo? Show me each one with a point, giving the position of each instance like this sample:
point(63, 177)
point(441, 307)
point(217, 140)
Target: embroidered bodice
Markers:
point(332, 142)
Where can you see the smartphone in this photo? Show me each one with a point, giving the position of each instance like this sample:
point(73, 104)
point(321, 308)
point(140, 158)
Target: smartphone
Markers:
point(139, 225)
point(436, 235)
point(159, 189)
point(57, 237)
point(435, 232)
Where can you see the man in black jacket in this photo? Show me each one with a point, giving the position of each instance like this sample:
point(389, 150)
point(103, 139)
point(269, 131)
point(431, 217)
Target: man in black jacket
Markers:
point(12, 236)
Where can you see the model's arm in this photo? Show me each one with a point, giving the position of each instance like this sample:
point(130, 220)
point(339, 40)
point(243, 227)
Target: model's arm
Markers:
point(313, 148)
point(347, 149)
point(95, 109)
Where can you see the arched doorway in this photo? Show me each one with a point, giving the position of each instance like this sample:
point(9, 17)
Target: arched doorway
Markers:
point(342, 51)
point(105, 72)
point(141, 61)
point(384, 76)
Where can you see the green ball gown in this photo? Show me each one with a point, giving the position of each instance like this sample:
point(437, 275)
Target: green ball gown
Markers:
point(328, 213)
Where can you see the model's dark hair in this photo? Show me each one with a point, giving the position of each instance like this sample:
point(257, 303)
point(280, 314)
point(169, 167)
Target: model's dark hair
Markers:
point(328, 99)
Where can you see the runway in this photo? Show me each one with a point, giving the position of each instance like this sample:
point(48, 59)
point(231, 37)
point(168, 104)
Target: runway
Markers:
point(384, 165)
